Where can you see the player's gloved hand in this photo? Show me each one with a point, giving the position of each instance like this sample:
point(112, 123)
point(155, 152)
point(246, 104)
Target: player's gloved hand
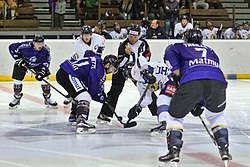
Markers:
point(40, 75)
point(20, 62)
point(148, 77)
point(197, 110)
point(154, 87)
point(133, 112)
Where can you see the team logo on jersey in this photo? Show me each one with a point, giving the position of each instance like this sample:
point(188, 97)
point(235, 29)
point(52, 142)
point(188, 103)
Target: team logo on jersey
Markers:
point(170, 89)
point(33, 59)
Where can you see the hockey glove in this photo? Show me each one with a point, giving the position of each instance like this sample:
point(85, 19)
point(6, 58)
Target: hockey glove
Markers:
point(197, 110)
point(40, 75)
point(134, 112)
point(20, 62)
point(148, 77)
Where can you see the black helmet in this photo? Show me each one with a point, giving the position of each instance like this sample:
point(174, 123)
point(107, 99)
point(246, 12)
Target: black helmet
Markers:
point(38, 38)
point(184, 16)
point(134, 29)
point(245, 22)
point(126, 72)
point(86, 29)
point(193, 36)
point(235, 27)
point(112, 59)
point(101, 22)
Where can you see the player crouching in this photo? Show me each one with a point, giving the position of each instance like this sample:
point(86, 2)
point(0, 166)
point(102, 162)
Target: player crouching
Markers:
point(84, 80)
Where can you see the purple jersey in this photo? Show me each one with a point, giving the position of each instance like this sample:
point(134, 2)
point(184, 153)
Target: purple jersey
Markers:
point(90, 71)
point(32, 58)
point(195, 62)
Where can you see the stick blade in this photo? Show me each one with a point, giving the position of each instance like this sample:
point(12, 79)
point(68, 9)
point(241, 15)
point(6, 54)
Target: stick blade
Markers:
point(130, 124)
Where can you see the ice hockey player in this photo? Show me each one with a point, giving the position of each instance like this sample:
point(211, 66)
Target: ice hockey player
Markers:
point(34, 55)
point(197, 68)
point(129, 50)
point(86, 41)
point(84, 80)
point(158, 76)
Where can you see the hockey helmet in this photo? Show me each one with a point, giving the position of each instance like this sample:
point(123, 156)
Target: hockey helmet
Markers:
point(126, 72)
point(112, 59)
point(193, 36)
point(134, 29)
point(38, 38)
point(245, 22)
point(86, 29)
point(235, 27)
point(184, 16)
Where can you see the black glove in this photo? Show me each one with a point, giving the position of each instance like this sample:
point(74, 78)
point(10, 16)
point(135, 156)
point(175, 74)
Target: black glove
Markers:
point(176, 79)
point(197, 110)
point(20, 62)
point(133, 112)
point(148, 77)
point(40, 75)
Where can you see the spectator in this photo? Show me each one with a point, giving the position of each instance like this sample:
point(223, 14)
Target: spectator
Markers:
point(144, 26)
point(91, 9)
point(233, 33)
point(214, 4)
point(200, 4)
point(125, 9)
point(3, 8)
point(98, 29)
point(156, 9)
point(211, 32)
point(137, 10)
point(118, 33)
point(60, 10)
point(12, 6)
point(171, 10)
point(245, 31)
point(182, 27)
point(184, 3)
point(155, 31)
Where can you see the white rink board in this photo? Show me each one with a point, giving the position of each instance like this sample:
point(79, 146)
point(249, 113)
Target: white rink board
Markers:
point(234, 54)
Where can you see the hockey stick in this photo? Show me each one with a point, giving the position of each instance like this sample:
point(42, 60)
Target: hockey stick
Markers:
point(33, 72)
point(209, 133)
point(139, 102)
point(119, 118)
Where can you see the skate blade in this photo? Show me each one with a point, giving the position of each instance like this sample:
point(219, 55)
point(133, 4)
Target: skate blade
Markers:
point(168, 164)
point(51, 107)
point(13, 108)
point(85, 130)
point(102, 123)
point(66, 106)
point(158, 134)
point(72, 123)
point(226, 163)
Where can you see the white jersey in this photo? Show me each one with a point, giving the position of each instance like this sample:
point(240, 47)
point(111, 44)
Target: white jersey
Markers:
point(80, 47)
point(229, 34)
point(245, 34)
point(210, 34)
point(159, 69)
point(143, 32)
point(178, 29)
point(121, 35)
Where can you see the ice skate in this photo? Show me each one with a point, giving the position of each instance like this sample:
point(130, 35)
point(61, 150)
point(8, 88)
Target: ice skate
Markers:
point(225, 155)
point(83, 127)
point(72, 119)
point(172, 158)
point(48, 101)
point(16, 102)
point(159, 130)
point(67, 102)
point(103, 120)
